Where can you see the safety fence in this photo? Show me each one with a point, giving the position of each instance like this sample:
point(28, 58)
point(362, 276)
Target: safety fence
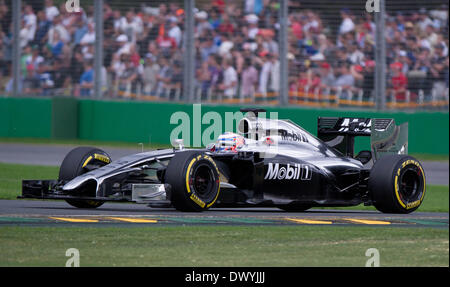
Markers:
point(312, 53)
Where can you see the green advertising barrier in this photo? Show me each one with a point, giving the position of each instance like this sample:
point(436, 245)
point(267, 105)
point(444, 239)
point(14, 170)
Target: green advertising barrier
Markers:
point(149, 122)
point(64, 118)
point(25, 118)
point(39, 118)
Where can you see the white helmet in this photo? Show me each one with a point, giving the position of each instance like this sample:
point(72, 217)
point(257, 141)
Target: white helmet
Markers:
point(228, 142)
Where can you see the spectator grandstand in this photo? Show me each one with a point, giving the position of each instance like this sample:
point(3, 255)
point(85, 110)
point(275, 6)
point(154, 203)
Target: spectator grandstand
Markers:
point(331, 58)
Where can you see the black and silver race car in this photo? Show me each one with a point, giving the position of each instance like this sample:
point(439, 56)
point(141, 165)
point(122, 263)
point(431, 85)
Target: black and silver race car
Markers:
point(267, 163)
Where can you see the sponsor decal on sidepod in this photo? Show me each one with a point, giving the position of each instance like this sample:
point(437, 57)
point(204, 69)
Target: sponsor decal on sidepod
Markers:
point(289, 172)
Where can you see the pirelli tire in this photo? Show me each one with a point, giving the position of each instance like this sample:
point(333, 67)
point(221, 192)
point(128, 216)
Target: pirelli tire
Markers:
point(194, 180)
point(78, 161)
point(397, 184)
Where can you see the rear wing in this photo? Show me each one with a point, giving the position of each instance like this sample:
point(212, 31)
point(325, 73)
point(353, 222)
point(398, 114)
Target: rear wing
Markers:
point(385, 136)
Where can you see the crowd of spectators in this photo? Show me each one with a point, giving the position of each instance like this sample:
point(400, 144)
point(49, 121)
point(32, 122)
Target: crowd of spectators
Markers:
point(417, 54)
point(236, 50)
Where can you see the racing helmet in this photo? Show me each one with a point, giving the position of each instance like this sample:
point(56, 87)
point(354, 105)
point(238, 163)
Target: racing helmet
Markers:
point(229, 142)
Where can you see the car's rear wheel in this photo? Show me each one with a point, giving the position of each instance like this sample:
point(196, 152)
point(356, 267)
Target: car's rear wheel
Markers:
point(397, 184)
point(78, 161)
point(194, 180)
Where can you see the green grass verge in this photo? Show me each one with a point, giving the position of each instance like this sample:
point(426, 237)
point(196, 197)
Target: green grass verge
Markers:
point(11, 176)
point(223, 246)
point(430, 157)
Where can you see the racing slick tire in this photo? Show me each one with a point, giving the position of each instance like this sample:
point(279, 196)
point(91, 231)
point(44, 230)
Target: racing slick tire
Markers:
point(294, 207)
point(78, 161)
point(194, 180)
point(397, 184)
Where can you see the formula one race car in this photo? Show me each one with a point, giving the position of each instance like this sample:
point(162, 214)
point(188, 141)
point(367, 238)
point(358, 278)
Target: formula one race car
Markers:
point(267, 163)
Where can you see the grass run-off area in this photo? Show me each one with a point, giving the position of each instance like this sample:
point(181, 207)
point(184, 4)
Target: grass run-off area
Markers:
point(223, 246)
point(11, 176)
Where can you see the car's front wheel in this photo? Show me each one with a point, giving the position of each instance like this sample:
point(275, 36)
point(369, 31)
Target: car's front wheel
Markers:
point(78, 161)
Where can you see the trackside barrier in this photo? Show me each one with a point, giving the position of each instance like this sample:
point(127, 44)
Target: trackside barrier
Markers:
point(150, 122)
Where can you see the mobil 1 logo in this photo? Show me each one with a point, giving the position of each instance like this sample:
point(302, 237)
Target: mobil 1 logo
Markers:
point(296, 171)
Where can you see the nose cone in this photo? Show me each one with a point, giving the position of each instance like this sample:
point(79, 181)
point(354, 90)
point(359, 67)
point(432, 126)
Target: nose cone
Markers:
point(77, 182)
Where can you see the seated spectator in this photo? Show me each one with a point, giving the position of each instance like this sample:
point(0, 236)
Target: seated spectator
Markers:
point(226, 27)
point(149, 77)
point(269, 44)
point(398, 82)
point(164, 77)
point(303, 79)
point(135, 58)
point(30, 22)
point(249, 79)
point(274, 85)
point(308, 81)
point(47, 70)
point(347, 24)
point(327, 78)
point(128, 78)
point(230, 79)
point(58, 27)
point(204, 78)
point(87, 80)
point(175, 31)
point(51, 11)
point(438, 69)
point(252, 29)
point(368, 85)
point(166, 44)
point(123, 45)
point(202, 24)
point(358, 75)
point(177, 80)
point(32, 83)
point(131, 25)
point(264, 75)
point(215, 71)
point(207, 47)
point(355, 56)
point(43, 25)
point(79, 31)
point(89, 37)
point(344, 80)
point(56, 45)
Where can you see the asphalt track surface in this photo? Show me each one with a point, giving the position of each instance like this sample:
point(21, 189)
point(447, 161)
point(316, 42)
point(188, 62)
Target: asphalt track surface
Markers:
point(59, 213)
point(437, 173)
